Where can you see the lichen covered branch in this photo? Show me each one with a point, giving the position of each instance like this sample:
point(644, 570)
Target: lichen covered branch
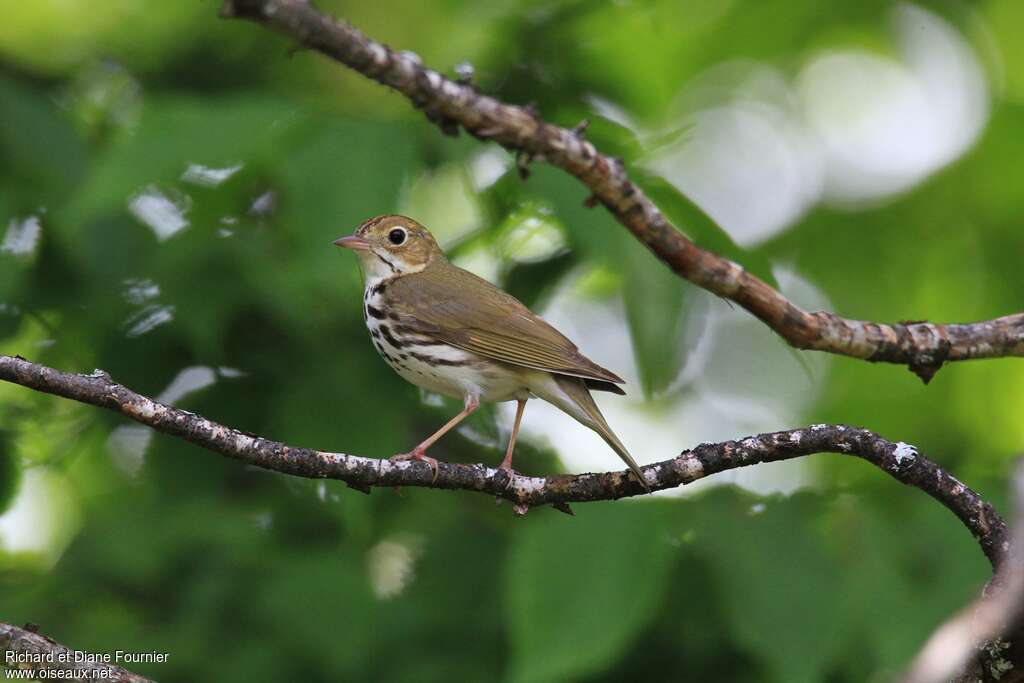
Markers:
point(983, 641)
point(899, 460)
point(26, 650)
point(921, 346)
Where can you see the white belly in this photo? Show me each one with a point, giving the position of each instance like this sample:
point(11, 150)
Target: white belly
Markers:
point(438, 367)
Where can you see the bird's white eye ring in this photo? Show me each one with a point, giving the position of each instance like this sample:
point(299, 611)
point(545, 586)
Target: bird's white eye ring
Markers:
point(397, 236)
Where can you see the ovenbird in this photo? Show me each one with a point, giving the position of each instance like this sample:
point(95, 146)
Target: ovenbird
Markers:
point(448, 331)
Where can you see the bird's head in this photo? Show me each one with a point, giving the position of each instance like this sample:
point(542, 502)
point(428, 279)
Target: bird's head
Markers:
point(392, 245)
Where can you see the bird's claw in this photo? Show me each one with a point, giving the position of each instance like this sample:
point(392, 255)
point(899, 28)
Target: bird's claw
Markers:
point(509, 473)
point(417, 454)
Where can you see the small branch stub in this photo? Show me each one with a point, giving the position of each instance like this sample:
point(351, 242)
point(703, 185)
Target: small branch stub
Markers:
point(523, 160)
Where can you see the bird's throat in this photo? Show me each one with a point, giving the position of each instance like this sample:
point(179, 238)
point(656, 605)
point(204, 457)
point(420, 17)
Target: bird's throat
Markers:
point(377, 265)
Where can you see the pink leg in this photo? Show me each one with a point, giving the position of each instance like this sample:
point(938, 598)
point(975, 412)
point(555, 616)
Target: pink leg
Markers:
point(420, 452)
point(506, 464)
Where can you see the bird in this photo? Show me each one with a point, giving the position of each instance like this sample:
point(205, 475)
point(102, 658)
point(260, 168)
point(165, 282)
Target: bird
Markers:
point(449, 331)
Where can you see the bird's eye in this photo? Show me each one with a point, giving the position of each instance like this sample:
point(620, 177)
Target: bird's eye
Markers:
point(396, 236)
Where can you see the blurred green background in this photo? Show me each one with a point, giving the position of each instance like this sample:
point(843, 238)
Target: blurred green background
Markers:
point(170, 184)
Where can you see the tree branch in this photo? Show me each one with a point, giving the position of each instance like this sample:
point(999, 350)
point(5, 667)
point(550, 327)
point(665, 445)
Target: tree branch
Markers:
point(899, 460)
point(921, 346)
point(983, 641)
point(22, 649)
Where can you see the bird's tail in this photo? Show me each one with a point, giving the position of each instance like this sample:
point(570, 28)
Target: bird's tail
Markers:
point(586, 412)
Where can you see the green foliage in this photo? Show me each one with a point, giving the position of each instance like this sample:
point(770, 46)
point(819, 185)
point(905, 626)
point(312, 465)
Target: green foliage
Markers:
point(655, 306)
point(43, 156)
point(8, 474)
point(142, 542)
point(580, 590)
point(756, 558)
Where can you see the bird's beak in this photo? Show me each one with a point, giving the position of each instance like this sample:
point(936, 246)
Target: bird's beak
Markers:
point(353, 242)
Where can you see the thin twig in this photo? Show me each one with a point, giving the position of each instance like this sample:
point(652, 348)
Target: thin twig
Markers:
point(899, 460)
point(921, 346)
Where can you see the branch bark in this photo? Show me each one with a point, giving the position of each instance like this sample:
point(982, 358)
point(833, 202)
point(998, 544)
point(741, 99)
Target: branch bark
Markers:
point(22, 649)
point(921, 346)
point(899, 460)
point(983, 642)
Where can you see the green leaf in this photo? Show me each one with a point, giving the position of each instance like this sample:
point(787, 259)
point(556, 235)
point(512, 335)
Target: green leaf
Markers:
point(581, 589)
point(885, 546)
point(655, 307)
point(43, 155)
point(9, 474)
point(531, 245)
point(300, 598)
point(245, 129)
point(531, 283)
point(779, 583)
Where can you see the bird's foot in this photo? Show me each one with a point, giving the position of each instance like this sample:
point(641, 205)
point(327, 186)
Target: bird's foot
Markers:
point(418, 454)
point(510, 473)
